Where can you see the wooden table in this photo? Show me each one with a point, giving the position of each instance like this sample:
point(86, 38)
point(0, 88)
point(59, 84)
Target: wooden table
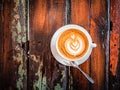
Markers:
point(26, 28)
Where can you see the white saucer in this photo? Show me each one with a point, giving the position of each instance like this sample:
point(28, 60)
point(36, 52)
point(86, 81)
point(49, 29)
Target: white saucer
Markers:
point(57, 56)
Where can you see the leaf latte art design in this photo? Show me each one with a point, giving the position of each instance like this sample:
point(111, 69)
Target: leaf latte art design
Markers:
point(74, 45)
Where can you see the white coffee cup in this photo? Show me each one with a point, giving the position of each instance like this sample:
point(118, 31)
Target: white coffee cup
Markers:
point(62, 58)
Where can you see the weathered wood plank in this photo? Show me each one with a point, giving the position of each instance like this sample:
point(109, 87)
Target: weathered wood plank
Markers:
point(6, 48)
point(1, 41)
point(46, 16)
point(19, 38)
point(98, 31)
point(1, 36)
point(14, 71)
point(80, 16)
point(115, 46)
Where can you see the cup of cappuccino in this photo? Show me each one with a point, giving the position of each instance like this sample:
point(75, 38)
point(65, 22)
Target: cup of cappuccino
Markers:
point(72, 43)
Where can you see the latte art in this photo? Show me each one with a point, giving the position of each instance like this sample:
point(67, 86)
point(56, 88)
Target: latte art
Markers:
point(72, 44)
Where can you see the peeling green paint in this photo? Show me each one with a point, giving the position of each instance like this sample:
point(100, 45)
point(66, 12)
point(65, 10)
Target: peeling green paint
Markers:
point(44, 83)
point(22, 73)
point(18, 27)
point(71, 82)
point(24, 39)
point(14, 34)
point(18, 31)
point(58, 87)
point(41, 83)
point(63, 76)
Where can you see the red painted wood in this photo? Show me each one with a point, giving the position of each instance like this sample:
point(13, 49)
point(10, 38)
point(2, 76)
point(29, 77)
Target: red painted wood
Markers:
point(114, 46)
point(98, 31)
point(6, 75)
point(12, 59)
point(1, 41)
point(1, 36)
point(42, 71)
point(80, 16)
point(45, 18)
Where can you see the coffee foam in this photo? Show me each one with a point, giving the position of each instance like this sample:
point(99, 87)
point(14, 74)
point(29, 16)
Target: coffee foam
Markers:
point(72, 44)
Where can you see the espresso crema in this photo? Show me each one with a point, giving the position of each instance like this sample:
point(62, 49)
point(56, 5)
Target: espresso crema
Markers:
point(72, 44)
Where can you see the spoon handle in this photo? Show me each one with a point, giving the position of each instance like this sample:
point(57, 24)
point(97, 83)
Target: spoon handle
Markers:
point(86, 75)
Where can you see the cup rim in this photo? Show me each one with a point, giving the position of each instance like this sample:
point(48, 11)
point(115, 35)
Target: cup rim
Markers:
point(80, 28)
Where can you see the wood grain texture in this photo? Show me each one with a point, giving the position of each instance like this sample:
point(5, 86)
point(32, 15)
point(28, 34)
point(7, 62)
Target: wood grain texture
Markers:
point(46, 16)
point(98, 31)
point(42, 71)
point(13, 75)
point(1, 41)
point(5, 74)
point(1, 36)
point(115, 46)
point(80, 16)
